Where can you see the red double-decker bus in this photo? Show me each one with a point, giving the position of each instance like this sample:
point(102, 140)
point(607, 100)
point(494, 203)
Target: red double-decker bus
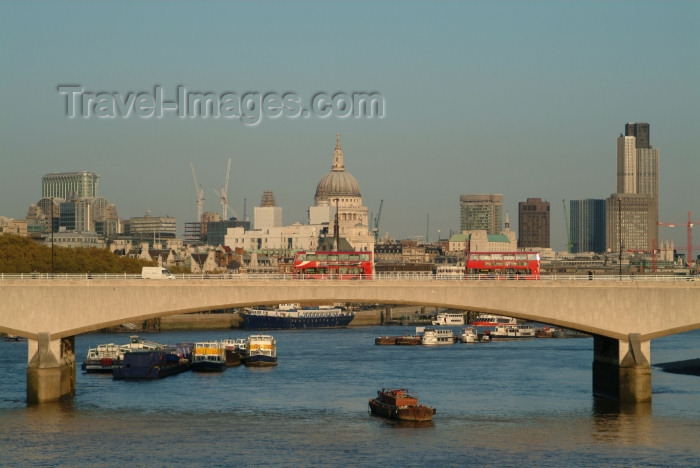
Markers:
point(503, 265)
point(333, 265)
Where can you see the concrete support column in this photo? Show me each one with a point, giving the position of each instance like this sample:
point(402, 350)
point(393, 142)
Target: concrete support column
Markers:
point(621, 369)
point(51, 369)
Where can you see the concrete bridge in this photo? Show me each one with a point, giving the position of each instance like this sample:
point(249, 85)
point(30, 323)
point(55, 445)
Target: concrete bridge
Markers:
point(621, 313)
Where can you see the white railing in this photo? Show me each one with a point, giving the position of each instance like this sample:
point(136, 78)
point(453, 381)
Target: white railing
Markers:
point(394, 276)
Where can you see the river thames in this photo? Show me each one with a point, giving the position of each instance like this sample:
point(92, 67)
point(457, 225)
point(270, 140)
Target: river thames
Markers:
point(505, 403)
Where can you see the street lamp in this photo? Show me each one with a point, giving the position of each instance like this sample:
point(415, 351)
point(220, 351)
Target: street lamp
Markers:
point(51, 236)
point(619, 234)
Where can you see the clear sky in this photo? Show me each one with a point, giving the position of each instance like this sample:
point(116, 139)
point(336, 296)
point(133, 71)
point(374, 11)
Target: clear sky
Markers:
point(524, 98)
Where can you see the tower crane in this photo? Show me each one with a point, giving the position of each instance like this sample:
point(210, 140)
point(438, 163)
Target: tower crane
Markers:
point(200, 194)
point(223, 194)
point(569, 244)
point(375, 229)
point(689, 225)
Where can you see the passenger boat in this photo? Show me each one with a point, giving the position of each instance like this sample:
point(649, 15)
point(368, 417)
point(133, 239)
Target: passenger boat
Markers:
point(385, 340)
point(209, 356)
point(261, 350)
point(292, 316)
point(150, 364)
point(398, 404)
point(489, 320)
point(472, 335)
point(432, 336)
point(408, 340)
point(448, 319)
point(513, 331)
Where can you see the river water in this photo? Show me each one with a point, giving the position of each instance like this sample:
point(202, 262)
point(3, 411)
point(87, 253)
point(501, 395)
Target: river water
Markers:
point(506, 403)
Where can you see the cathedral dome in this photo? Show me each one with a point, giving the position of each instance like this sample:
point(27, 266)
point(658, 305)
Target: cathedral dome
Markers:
point(337, 182)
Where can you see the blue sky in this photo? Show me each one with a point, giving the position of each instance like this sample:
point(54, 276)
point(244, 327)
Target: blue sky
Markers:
point(520, 98)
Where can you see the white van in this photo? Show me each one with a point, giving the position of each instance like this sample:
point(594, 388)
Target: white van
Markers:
point(156, 273)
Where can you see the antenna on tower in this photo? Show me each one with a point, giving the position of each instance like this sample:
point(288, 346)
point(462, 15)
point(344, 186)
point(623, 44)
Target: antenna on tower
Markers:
point(200, 194)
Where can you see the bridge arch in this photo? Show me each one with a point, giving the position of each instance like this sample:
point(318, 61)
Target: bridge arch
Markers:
point(623, 317)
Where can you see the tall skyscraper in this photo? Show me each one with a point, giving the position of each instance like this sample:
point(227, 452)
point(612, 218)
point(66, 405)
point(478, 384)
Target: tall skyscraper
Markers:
point(637, 191)
point(533, 223)
point(82, 184)
point(481, 212)
point(587, 221)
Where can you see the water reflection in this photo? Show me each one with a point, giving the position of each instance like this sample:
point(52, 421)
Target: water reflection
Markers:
point(629, 423)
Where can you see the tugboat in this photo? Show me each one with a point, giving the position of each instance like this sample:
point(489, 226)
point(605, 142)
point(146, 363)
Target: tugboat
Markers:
point(398, 404)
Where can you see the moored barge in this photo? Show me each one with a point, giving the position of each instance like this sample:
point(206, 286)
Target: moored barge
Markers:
point(398, 404)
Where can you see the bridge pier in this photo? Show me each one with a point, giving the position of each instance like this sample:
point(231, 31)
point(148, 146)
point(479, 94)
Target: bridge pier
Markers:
point(51, 369)
point(621, 369)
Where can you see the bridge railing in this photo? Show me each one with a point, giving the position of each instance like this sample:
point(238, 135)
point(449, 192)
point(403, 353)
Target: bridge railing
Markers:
point(393, 276)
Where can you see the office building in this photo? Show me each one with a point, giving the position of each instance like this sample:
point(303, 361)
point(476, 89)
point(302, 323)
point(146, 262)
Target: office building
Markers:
point(587, 221)
point(630, 222)
point(481, 212)
point(82, 184)
point(637, 174)
point(148, 228)
point(533, 223)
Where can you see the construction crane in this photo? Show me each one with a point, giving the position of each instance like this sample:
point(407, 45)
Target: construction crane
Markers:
point(200, 194)
point(223, 194)
point(375, 229)
point(689, 225)
point(569, 244)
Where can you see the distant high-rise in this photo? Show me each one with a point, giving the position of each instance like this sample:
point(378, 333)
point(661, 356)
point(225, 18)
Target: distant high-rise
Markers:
point(630, 222)
point(587, 221)
point(638, 175)
point(82, 184)
point(481, 212)
point(533, 223)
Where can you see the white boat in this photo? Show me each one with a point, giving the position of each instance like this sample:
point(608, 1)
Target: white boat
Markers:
point(102, 358)
point(514, 331)
point(136, 343)
point(490, 320)
point(432, 336)
point(209, 356)
point(448, 319)
point(261, 350)
point(471, 335)
point(106, 357)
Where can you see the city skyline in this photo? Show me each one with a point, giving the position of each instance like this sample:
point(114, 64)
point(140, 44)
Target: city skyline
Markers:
point(520, 99)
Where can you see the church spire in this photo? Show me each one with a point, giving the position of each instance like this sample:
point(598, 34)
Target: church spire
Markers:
point(338, 163)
